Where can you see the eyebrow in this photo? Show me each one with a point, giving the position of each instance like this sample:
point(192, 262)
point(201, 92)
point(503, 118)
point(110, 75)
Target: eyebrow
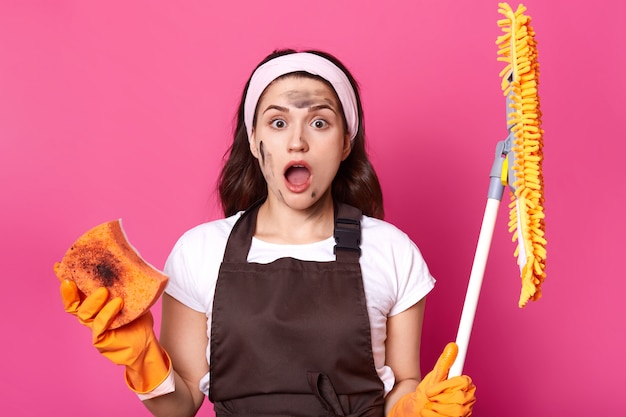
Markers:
point(276, 107)
point(322, 106)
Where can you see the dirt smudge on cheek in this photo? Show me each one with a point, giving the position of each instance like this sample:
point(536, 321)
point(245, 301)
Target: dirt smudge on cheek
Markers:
point(262, 152)
point(268, 164)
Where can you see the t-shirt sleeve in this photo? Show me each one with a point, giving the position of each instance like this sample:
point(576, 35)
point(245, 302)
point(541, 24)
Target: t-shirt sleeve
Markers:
point(182, 284)
point(413, 276)
point(194, 262)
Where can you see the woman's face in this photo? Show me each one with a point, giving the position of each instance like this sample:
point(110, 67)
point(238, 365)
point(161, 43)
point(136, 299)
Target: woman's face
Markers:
point(299, 140)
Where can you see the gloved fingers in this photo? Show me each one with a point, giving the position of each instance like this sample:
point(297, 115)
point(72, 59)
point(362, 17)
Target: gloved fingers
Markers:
point(441, 368)
point(450, 412)
point(447, 410)
point(445, 361)
point(127, 344)
point(92, 305)
point(431, 413)
point(70, 296)
point(461, 383)
point(105, 317)
point(457, 398)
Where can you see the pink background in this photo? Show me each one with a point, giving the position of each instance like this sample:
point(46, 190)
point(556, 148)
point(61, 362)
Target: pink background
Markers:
point(123, 109)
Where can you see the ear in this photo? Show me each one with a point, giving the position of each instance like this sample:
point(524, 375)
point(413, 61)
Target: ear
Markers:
point(347, 147)
point(253, 148)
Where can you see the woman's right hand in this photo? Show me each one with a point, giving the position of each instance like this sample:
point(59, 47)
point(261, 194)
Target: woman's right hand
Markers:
point(133, 345)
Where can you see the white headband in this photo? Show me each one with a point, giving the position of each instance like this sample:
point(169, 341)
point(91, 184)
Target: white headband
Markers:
point(307, 62)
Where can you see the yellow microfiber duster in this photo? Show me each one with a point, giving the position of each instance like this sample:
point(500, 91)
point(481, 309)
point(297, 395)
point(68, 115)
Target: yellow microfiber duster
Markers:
point(518, 164)
point(520, 80)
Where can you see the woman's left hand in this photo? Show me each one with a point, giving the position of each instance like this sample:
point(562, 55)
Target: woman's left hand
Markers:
point(438, 396)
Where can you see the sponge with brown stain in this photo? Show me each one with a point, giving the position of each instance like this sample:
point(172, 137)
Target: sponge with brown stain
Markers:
point(103, 257)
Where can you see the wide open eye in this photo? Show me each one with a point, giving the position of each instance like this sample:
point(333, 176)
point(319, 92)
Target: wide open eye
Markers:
point(319, 123)
point(278, 123)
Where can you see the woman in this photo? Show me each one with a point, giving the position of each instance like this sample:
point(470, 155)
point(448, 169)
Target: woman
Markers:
point(301, 301)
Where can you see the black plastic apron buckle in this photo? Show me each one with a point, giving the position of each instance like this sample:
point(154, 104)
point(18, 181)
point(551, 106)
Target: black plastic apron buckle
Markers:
point(347, 235)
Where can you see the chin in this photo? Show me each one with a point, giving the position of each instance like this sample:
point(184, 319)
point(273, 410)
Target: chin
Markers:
point(304, 201)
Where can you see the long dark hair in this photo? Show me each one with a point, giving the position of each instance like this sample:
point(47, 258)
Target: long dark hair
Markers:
point(241, 182)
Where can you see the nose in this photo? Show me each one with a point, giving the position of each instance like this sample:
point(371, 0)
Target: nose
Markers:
point(298, 141)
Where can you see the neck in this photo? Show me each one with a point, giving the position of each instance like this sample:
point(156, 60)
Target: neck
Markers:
point(279, 223)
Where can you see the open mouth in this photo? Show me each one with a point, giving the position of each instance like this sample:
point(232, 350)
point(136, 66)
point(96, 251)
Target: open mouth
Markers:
point(297, 174)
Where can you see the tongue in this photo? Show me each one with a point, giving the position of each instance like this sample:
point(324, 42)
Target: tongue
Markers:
point(297, 175)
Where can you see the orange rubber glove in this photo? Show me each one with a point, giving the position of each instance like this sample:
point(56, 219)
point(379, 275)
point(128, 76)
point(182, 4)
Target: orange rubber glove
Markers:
point(133, 345)
point(437, 396)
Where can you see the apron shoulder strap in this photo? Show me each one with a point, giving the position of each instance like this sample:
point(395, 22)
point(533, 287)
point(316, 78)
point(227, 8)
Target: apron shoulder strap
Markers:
point(347, 233)
point(240, 238)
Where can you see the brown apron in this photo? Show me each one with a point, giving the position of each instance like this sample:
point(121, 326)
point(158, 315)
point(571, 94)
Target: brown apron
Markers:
point(292, 338)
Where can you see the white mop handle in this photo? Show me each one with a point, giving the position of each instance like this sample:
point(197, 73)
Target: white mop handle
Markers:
point(475, 284)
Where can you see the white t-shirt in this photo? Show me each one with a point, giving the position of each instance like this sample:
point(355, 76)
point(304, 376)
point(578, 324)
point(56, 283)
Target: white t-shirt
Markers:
point(395, 276)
